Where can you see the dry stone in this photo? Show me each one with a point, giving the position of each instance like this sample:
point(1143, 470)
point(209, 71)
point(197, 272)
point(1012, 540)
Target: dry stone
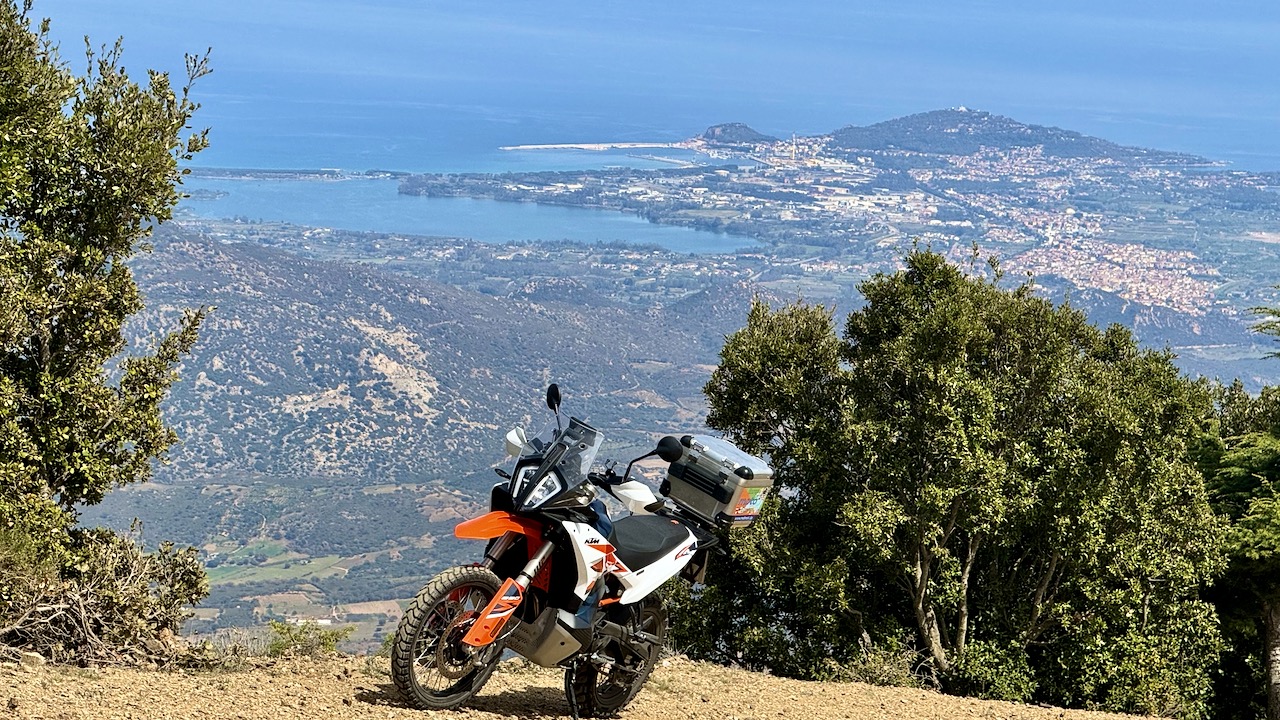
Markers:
point(31, 661)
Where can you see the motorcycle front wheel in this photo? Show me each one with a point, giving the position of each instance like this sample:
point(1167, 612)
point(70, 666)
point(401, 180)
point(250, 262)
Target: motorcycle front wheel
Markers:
point(604, 684)
point(431, 667)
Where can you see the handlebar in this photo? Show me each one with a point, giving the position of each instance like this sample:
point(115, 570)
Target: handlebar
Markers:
point(605, 480)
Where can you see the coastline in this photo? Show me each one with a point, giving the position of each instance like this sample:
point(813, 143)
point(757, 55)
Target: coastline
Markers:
point(599, 147)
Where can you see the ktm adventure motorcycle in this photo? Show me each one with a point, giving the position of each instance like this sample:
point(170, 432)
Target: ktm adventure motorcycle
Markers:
point(561, 584)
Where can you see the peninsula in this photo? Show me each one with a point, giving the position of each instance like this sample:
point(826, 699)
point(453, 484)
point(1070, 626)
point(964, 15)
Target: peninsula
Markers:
point(1163, 231)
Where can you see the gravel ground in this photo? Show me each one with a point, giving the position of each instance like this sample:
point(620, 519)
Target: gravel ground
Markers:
point(342, 688)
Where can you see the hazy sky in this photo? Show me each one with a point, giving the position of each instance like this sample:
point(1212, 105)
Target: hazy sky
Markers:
point(1194, 76)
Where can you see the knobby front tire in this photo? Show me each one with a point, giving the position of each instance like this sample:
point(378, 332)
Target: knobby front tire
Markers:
point(430, 666)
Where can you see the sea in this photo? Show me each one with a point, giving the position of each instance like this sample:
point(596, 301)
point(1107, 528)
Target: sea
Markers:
point(433, 86)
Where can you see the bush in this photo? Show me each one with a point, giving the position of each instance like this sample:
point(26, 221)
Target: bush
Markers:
point(378, 664)
point(892, 662)
point(227, 649)
point(111, 602)
point(992, 671)
point(306, 639)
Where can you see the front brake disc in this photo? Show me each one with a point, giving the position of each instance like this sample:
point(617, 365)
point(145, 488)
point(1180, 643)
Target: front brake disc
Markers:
point(453, 658)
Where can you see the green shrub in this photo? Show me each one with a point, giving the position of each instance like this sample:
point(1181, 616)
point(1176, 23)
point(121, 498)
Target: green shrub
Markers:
point(378, 664)
point(22, 563)
point(891, 662)
point(992, 671)
point(307, 639)
point(227, 649)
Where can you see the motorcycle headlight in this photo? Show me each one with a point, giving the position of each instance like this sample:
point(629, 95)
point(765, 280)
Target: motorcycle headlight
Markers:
point(547, 488)
point(543, 489)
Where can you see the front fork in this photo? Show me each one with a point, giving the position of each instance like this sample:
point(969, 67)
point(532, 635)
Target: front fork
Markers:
point(488, 627)
point(499, 548)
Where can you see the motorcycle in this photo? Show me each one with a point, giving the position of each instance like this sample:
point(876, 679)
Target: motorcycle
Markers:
point(562, 583)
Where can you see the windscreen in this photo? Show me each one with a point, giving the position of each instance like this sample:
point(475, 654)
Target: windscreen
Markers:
point(554, 462)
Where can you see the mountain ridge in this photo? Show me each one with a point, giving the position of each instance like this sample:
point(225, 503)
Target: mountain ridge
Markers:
point(331, 368)
point(962, 131)
point(376, 372)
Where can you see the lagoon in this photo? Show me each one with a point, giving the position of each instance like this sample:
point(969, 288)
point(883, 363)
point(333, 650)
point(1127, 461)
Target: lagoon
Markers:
point(375, 205)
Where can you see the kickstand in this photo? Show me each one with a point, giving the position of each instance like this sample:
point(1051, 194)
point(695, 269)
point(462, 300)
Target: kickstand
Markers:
point(569, 674)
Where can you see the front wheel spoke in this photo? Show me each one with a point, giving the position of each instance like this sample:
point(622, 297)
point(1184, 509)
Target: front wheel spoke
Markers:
point(426, 657)
point(426, 646)
point(444, 617)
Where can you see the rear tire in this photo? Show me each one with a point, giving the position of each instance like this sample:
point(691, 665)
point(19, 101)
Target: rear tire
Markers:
point(603, 690)
point(430, 666)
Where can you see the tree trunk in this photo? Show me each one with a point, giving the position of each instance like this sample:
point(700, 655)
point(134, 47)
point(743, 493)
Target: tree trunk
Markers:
point(927, 623)
point(926, 619)
point(1271, 621)
point(962, 629)
point(1034, 626)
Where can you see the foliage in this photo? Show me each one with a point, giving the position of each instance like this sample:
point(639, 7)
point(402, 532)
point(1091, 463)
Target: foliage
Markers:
point(307, 639)
point(226, 649)
point(995, 672)
point(968, 464)
point(378, 664)
point(113, 603)
point(1242, 469)
point(1269, 324)
point(88, 165)
point(889, 662)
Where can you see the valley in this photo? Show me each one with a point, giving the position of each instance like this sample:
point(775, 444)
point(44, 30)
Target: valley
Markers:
point(345, 405)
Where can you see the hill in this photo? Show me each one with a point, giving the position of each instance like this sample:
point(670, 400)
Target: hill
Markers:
point(346, 689)
point(374, 373)
point(960, 131)
point(338, 418)
point(735, 134)
point(324, 369)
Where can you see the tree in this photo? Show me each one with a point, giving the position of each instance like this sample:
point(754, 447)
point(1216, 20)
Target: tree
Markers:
point(981, 471)
point(1243, 474)
point(88, 166)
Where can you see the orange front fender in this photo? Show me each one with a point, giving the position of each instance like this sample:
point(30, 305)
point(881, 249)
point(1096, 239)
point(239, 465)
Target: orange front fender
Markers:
point(495, 524)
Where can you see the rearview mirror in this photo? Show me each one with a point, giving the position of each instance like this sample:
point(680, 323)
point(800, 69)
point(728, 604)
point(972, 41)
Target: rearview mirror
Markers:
point(553, 397)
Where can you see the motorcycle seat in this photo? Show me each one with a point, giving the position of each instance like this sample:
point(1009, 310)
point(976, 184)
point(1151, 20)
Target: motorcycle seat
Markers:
point(641, 540)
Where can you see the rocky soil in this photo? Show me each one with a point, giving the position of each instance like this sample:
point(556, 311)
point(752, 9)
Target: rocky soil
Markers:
point(342, 688)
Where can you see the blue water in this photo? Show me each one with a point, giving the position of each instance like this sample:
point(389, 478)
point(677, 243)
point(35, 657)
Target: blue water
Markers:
point(375, 205)
point(434, 86)
point(426, 85)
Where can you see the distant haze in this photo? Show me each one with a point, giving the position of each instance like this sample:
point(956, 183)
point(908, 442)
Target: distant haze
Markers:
point(427, 85)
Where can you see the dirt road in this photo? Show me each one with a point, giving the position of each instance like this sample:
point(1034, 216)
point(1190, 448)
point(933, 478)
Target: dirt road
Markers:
point(354, 689)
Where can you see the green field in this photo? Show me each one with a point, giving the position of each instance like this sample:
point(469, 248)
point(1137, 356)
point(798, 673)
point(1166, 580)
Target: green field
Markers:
point(282, 570)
